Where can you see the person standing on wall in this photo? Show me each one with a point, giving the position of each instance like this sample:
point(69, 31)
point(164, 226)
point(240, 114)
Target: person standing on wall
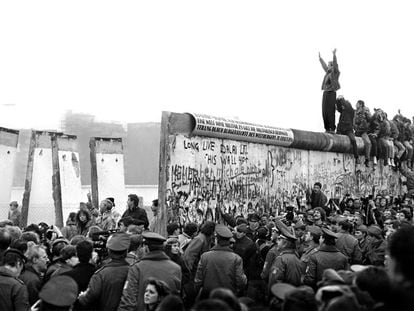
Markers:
point(330, 85)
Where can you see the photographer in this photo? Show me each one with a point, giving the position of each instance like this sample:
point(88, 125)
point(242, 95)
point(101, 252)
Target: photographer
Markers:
point(105, 287)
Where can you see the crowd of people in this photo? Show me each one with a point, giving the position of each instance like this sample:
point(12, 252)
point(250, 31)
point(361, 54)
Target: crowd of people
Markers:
point(355, 254)
point(386, 139)
point(351, 254)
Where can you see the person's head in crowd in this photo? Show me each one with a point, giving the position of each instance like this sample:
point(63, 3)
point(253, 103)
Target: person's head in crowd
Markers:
point(401, 257)
point(328, 237)
point(92, 230)
point(253, 220)
point(5, 239)
point(124, 223)
point(112, 200)
point(19, 244)
point(387, 214)
point(171, 302)
point(274, 234)
point(83, 217)
point(37, 257)
point(172, 246)
point(57, 246)
point(300, 229)
point(136, 242)
point(301, 217)
point(71, 219)
point(68, 255)
point(313, 233)
point(278, 293)
point(173, 229)
point(317, 187)
point(241, 220)
point(286, 240)
point(223, 235)
point(13, 261)
point(264, 219)
point(357, 204)
point(240, 231)
point(5, 223)
point(15, 232)
point(378, 200)
point(358, 219)
point(345, 226)
point(336, 298)
point(361, 232)
point(78, 238)
point(153, 241)
point(155, 291)
point(190, 229)
point(59, 293)
point(350, 203)
point(154, 207)
point(84, 251)
point(137, 227)
point(118, 245)
point(211, 305)
point(375, 232)
point(300, 299)
point(403, 215)
point(133, 202)
point(227, 296)
point(375, 281)
point(319, 214)
point(30, 236)
point(207, 228)
point(262, 233)
point(34, 228)
point(14, 206)
point(105, 206)
point(383, 203)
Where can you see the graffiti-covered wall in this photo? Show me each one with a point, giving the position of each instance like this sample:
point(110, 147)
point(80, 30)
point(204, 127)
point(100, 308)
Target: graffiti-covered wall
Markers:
point(206, 174)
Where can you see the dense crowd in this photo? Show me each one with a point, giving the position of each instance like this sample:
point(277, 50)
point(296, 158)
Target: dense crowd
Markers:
point(355, 254)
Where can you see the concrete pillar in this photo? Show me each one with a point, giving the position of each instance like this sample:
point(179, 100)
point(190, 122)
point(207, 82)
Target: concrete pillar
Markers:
point(107, 171)
point(8, 149)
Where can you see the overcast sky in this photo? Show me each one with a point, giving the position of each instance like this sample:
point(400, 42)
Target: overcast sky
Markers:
point(127, 61)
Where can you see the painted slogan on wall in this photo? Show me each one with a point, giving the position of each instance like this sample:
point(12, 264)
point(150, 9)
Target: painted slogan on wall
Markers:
point(207, 176)
point(233, 129)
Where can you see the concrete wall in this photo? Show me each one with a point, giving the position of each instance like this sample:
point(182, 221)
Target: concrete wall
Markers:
point(203, 174)
point(8, 150)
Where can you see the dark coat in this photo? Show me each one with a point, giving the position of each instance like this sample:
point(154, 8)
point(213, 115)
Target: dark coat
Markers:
point(155, 264)
point(199, 245)
point(82, 274)
point(376, 249)
point(270, 259)
point(105, 287)
point(138, 214)
point(362, 120)
point(33, 282)
point(13, 292)
point(287, 268)
point(247, 250)
point(318, 199)
point(220, 267)
point(349, 246)
point(346, 119)
point(326, 257)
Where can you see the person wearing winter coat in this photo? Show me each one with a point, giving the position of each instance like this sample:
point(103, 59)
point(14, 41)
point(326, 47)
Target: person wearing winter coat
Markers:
point(362, 119)
point(83, 221)
point(346, 122)
point(373, 134)
point(330, 85)
point(70, 230)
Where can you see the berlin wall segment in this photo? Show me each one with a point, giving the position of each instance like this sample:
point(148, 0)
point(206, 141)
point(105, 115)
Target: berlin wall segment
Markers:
point(207, 174)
